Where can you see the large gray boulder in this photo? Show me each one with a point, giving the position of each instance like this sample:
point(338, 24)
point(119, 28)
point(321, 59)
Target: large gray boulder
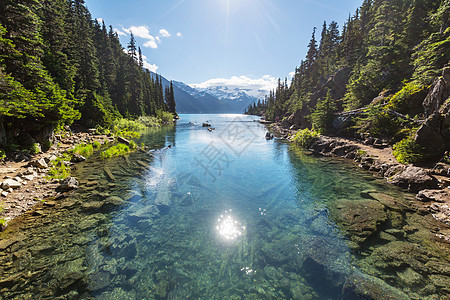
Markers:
point(434, 134)
point(434, 195)
point(439, 92)
point(414, 179)
point(11, 183)
point(40, 164)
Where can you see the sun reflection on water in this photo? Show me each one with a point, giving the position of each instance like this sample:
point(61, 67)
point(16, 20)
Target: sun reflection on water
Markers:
point(228, 227)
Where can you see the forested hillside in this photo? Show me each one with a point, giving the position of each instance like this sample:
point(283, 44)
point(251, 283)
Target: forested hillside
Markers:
point(386, 58)
point(58, 66)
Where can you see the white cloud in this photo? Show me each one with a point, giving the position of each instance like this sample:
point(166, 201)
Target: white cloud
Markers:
point(140, 31)
point(151, 44)
point(100, 20)
point(152, 67)
point(164, 33)
point(143, 32)
point(147, 65)
point(291, 74)
point(119, 32)
point(256, 87)
point(179, 34)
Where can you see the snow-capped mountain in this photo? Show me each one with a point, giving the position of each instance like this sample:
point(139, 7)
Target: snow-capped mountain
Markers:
point(219, 99)
point(235, 94)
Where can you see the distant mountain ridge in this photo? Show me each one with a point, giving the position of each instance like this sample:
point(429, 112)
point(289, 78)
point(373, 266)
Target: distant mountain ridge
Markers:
point(219, 99)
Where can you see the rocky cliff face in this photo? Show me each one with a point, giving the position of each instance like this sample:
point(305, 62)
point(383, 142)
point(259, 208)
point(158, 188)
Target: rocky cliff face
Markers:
point(434, 134)
point(336, 84)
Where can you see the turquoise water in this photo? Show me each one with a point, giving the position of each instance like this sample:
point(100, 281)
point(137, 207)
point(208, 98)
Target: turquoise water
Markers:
point(221, 214)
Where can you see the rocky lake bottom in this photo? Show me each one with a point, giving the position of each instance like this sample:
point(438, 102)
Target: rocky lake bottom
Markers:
point(224, 214)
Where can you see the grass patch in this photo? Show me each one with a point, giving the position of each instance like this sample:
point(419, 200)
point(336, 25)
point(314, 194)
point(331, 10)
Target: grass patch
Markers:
point(361, 153)
point(306, 137)
point(35, 148)
point(59, 168)
point(149, 121)
point(85, 150)
point(117, 150)
point(164, 116)
point(133, 144)
point(408, 95)
point(128, 134)
point(408, 151)
point(96, 144)
point(128, 125)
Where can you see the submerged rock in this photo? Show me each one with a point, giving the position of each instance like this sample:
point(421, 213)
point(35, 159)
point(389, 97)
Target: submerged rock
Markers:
point(114, 200)
point(109, 174)
point(359, 219)
point(99, 281)
point(361, 286)
point(147, 212)
point(390, 201)
point(70, 183)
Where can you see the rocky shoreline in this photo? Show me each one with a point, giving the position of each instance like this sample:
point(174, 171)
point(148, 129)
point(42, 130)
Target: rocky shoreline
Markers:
point(24, 180)
point(431, 186)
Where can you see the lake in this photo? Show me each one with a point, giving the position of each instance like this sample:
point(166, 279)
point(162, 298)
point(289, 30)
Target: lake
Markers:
point(224, 214)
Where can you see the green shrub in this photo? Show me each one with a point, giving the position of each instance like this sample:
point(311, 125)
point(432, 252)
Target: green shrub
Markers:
point(58, 168)
point(361, 153)
point(164, 116)
point(133, 144)
point(128, 125)
point(35, 148)
point(85, 150)
point(128, 134)
point(408, 151)
point(305, 137)
point(149, 121)
point(404, 100)
point(2, 154)
point(379, 123)
point(12, 147)
point(117, 150)
point(96, 144)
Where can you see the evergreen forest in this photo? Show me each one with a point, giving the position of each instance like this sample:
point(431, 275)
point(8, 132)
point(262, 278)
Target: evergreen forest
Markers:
point(59, 67)
point(381, 65)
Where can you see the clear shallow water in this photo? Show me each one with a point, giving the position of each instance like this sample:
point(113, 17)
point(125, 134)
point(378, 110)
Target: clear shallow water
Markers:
point(222, 215)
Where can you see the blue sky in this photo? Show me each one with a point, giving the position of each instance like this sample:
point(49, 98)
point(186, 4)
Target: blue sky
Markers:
point(222, 42)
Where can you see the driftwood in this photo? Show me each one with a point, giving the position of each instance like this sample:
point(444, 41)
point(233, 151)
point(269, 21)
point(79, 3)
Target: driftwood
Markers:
point(123, 140)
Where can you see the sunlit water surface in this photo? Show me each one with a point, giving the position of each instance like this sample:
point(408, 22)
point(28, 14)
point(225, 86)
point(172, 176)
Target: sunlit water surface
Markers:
point(221, 214)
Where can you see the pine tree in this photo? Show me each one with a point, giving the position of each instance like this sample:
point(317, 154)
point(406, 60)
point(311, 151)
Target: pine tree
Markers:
point(132, 47)
point(170, 98)
point(323, 114)
point(141, 61)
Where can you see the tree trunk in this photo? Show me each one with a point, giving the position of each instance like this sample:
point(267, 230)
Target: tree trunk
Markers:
point(445, 17)
point(2, 132)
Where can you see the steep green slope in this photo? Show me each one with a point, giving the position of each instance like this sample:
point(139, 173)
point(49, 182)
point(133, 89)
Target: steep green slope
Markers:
point(58, 66)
